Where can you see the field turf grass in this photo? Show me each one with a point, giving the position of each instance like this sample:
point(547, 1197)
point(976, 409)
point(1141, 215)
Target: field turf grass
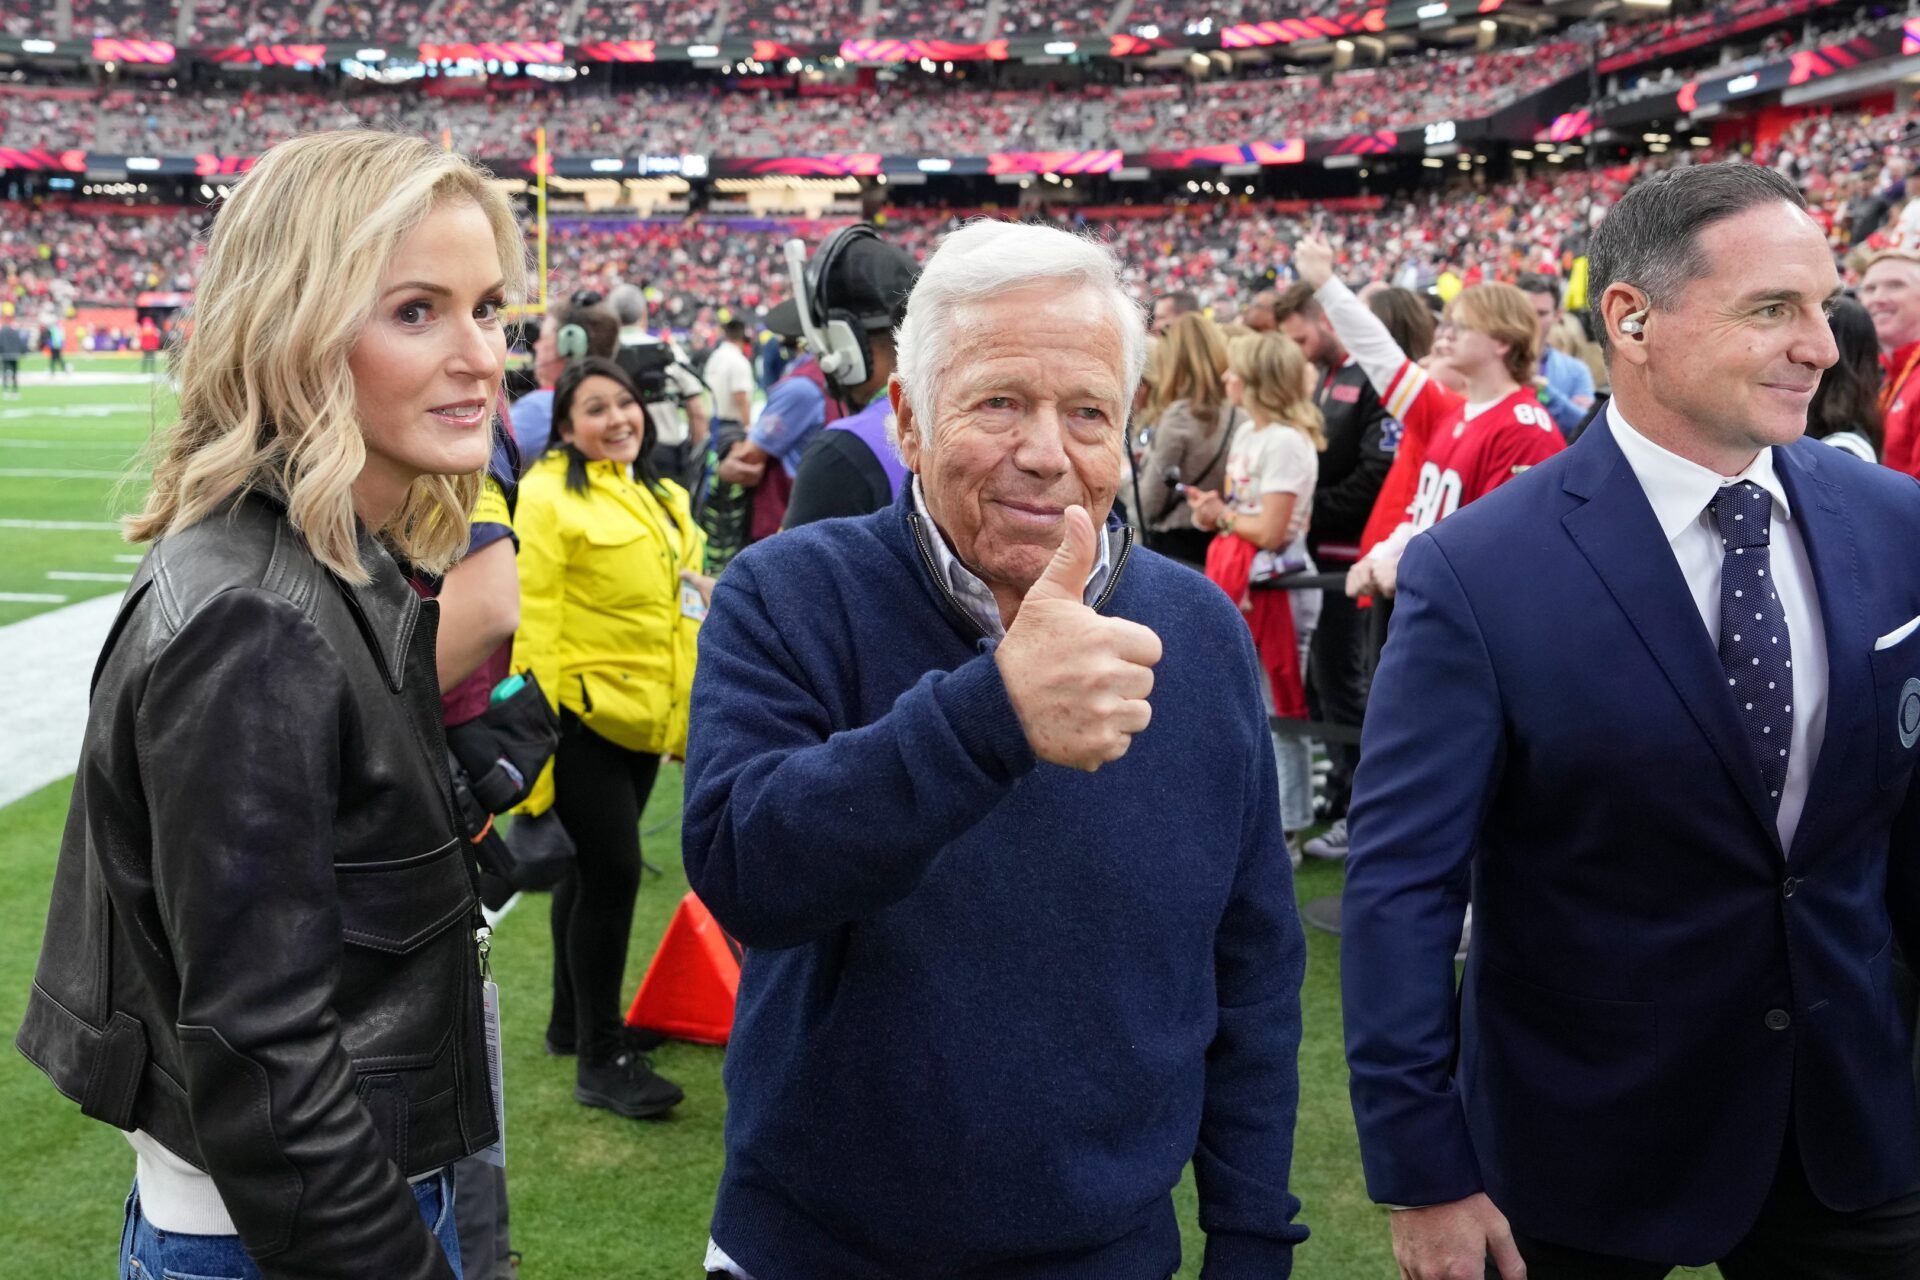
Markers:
point(594, 1196)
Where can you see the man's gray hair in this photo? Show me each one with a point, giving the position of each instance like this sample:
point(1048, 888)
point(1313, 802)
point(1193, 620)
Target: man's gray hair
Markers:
point(629, 303)
point(1651, 238)
point(985, 259)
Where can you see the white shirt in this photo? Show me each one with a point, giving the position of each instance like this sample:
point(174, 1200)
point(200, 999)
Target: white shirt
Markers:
point(729, 373)
point(973, 594)
point(1679, 491)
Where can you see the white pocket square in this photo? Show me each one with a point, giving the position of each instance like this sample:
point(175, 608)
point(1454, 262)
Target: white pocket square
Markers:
point(1898, 634)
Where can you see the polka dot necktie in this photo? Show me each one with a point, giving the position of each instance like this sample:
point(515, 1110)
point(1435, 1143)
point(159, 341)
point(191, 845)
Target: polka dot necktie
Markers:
point(1755, 648)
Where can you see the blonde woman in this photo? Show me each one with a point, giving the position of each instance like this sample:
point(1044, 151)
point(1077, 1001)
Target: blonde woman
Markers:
point(264, 957)
point(1271, 471)
point(1193, 427)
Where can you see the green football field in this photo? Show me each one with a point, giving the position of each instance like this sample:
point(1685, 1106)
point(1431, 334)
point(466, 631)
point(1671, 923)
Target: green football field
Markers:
point(593, 1195)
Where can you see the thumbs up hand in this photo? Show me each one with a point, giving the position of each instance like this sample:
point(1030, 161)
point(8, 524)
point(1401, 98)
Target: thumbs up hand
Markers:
point(1079, 682)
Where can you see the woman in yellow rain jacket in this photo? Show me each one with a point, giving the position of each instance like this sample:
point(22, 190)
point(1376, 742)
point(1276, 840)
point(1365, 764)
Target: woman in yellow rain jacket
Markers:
point(610, 606)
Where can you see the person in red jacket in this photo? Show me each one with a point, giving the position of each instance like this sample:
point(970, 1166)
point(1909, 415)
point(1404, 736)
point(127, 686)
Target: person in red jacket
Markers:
point(1470, 441)
point(149, 345)
point(1890, 291)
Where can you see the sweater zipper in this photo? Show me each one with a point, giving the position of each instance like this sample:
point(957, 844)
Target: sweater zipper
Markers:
point(959, 610)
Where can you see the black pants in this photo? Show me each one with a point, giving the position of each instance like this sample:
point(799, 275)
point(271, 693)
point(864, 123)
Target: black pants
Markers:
point(1796, 1238)
point(56, 363)
point(1339, 672)
point(10, 372)
point(599, 791)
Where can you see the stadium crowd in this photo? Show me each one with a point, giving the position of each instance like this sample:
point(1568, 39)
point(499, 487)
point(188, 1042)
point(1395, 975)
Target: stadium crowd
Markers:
point(905, 117)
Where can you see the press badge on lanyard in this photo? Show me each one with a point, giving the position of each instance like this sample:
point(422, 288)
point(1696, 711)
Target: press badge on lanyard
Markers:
point(495, 1155)
point(691, 605)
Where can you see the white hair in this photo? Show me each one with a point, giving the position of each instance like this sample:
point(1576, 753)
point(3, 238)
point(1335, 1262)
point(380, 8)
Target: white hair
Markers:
point(985, 259)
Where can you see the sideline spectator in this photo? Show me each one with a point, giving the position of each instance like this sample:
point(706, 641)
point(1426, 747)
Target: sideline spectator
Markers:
point(589, 331)
point(729, 373)
point(252, 766)
point(853, 466)
point(1890, 291)
point(923, 840)
point(1466, 443)
point(1845, 411)
point(610, 604)
point(1194, 425)
point(1567, 393)
point(1360, 443)
point(149, 345)
point(1169, 307)
point(1261, 530)
point(673, 394)
point(866, 290)
point(13, 345)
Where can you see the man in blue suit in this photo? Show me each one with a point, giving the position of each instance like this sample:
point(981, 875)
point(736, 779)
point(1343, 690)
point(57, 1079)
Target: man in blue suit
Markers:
point(1653, 708)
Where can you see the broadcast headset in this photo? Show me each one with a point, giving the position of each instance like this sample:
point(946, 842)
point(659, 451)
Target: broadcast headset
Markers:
point(837, 338)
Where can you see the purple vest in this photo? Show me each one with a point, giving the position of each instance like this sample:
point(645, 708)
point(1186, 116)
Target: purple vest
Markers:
point(870, 424)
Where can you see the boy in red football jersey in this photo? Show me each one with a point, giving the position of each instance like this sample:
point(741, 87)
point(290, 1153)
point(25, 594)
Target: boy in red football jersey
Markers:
point(1459, 442)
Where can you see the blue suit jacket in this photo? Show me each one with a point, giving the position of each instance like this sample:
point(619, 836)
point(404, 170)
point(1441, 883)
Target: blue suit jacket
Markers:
point(1656, 990)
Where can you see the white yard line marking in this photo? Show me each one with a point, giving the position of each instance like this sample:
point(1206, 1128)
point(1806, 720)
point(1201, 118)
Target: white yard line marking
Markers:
point(75, 411)
point(75, 575)
point(495, 917)
point(47, 715)
point(64, 526)
point(5, 443)
point(133, 559)
point(57, 473)
point(30, 597)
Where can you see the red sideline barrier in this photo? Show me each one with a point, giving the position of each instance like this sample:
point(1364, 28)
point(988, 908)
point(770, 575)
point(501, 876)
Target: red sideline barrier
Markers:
point(690, 986)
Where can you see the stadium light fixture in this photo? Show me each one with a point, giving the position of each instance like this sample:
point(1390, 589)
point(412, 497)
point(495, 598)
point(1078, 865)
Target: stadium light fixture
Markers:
point(1438, 9)
point(880, 180)
point(1523, 155)
point(1066, 182)
point(1148, 32)
point(1658, 148)
point(1344, 46)
point(703, 51)
point(1701, 142)
point(1059, 48)
point(37, 46)
point(1434, 162)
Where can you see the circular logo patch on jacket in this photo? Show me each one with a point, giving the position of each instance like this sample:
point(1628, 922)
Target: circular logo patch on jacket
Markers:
point(1909, 712)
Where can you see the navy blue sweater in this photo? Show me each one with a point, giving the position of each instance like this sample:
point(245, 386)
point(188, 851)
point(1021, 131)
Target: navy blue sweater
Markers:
point(990, 1007)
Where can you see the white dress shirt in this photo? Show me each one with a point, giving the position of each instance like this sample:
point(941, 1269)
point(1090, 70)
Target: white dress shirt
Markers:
point(1679, 491)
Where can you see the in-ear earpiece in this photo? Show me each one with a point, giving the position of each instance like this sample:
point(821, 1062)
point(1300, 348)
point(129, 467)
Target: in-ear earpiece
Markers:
point(1635, 323)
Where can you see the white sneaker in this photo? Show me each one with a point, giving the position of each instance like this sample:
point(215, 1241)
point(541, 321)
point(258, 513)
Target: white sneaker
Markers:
point(1331, 844)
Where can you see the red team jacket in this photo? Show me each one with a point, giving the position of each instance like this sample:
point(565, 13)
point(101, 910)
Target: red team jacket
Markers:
point(1446, 459)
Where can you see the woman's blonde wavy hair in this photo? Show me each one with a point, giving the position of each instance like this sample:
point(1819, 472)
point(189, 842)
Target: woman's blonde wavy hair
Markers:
point(1274, 370)
point(292, 274)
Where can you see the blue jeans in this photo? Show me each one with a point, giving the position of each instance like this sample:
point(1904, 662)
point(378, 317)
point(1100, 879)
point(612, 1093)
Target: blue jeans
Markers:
point(148, 1253)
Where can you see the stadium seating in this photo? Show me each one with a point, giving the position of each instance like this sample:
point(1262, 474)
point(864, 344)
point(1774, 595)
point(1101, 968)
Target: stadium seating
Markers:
point(907, 117)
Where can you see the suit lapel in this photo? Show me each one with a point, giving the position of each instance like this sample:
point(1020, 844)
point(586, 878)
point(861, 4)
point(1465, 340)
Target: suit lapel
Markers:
point(1616, 530)
point(1827, 530)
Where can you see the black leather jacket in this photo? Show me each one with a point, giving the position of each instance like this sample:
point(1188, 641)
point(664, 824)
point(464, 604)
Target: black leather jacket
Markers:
point(261, 948)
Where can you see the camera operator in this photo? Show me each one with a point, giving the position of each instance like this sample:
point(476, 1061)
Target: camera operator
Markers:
point(674, 395)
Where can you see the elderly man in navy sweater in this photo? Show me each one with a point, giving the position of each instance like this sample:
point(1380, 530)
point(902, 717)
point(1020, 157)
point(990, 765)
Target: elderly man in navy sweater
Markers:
point(1014, 954)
